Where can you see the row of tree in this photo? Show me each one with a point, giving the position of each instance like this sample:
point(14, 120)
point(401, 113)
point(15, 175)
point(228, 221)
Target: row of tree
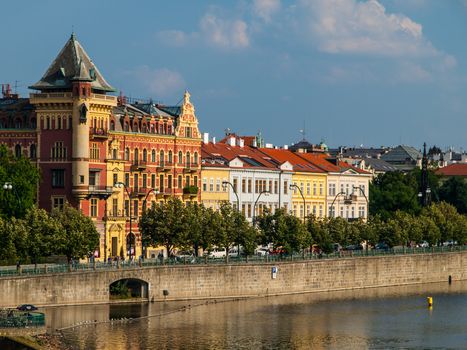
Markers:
point(65, 232)
point(176, 226)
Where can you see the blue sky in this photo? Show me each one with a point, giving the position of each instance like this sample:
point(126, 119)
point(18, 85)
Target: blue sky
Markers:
point(354, 72)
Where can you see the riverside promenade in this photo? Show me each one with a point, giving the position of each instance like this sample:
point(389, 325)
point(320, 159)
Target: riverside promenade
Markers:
point(186, 279)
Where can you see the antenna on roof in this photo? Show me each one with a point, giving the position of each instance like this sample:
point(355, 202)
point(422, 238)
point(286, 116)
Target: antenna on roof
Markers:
point(303, 131)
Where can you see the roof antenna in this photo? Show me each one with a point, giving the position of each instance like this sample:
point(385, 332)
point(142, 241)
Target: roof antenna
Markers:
point(303, 131)
point(72, 31)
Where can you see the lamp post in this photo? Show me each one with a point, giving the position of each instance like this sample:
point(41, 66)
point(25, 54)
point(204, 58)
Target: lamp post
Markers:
point(155, 191)
point(332, 205)
point(364, 195)
point(291, 187)
point(254, 206)
point(8, 186)
point(225, 184)
point(122, 185)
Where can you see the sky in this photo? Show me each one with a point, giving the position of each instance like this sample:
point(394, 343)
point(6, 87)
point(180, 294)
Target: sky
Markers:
point(347, 72)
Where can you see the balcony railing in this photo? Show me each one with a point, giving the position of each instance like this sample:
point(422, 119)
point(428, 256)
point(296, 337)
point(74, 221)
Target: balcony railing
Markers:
point(139, 165)
point(191, 168)
point(191, 191)
point(164, 166)
point(98, 133)
point(100, 191)
point(139, 191)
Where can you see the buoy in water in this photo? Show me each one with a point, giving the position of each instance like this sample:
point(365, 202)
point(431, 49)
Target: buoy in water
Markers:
point(430, 301)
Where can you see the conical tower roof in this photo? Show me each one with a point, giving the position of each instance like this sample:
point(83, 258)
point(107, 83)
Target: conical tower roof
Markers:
point(71, 64)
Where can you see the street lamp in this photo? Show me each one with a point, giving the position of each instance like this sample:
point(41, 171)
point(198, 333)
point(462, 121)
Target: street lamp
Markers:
point(254, 206)
point(122, 185)
point(291, 187)
point(155, 191)
point(332, 205)
point(8, 186)
point(364, 195)
point(228, 183)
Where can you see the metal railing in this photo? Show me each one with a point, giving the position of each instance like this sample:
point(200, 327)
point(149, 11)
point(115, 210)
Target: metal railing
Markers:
point(30, 270)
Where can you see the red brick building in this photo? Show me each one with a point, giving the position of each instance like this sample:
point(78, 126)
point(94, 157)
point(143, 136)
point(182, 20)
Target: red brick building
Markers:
point(85, 141)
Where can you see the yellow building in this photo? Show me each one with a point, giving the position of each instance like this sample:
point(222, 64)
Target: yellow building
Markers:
point(212, 176)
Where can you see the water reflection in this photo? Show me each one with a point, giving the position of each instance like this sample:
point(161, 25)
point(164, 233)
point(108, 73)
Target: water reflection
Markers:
point(372, 318)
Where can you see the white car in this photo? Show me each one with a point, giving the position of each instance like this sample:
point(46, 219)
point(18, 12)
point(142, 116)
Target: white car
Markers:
point(262, 251)
point(217, 253)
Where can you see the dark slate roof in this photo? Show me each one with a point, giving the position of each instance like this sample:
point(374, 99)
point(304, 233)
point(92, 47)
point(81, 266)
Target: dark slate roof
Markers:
point(363, 152)
point(303, 144)
point(72, 63)
point(402, 154)
point(379, 165)
point(172, 110)
point(15, 105)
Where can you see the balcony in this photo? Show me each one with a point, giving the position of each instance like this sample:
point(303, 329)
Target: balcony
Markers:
point(139, 165)
point(102, 192)
point(164, 166)
point(191, 168)
point(139, 192)
point(190, 191)
point(116, 215)
point(165, 192)
point(98, 133)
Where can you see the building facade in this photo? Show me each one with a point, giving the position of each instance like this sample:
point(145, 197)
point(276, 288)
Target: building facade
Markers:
point(98, 152)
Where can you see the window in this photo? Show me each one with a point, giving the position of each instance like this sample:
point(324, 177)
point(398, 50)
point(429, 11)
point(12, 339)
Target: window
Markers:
point(180, 157)
point(69, 122)
point(161, 157)
point(169, 181)
point(347, 189)
point(127, 207)
point(353, 212)
point(58, 178)
point(170, 157)
point(153, 156)
point(81, 179)
point(332, 189)
point(47, 124)
point(342, 212)
point(58, 202)
point(320, 189)
point(205, 184)
point(211, 185)
point(136, 156)
point(18, 123)
point(188, 159)
point(112, 125)
point(188, 131)
point(361, 211)
point(135, 207)
point(180, 182)
point(153, 180)
point(195, 158)
point(18, 151)
point(145, 155)
point(218, 185)
point(59, 122)
point(320, 211)
point(145, 180)
point(235, 184)
point(187, 180)
point(195, 181)
point(314, 210)
point(114, 153)
point(331, 211)
point(276, 186)
point(115, 179)
point(286, 187)
point(32, 151)
point(127, 153)
point(249, 210)
point(58, 150)
point(33, 123)
point(302, 187)
point(270, 186)
point(115, 206)
point(307, 209)
point(93, 207)
point(94, 151)
point(243, 185)
point(308, 188)
point(93, 178)
point(249, 185)
point(161, 183)
point(127, 179)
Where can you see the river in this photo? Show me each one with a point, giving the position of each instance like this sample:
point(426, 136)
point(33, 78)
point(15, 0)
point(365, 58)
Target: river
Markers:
point(379, 318)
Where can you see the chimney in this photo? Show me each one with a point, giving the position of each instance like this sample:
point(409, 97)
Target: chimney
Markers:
point(269, 145)
point(241, 142)
point(231, 141)
point(206, 138)
point(286, 146)
point(254, 143)
point(214, 140)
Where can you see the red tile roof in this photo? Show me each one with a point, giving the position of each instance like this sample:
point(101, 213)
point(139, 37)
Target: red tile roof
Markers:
point(322, 160)
point(456, 169)
point(298, 163)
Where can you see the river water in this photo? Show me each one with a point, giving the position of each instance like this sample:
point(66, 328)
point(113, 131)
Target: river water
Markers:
point(383, 318)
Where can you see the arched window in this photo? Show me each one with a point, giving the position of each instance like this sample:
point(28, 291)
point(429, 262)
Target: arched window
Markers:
point(3, 124)
point(18, 151)
point(114, 153)
point(136, 155)
point(180, 157)
point(32, 151)
point(112, 125)
point(145, 129)
point(195, 158)
point(127, 153)
point(170, 157)
point(33, 123)
point(161, 156)
point(153, 156)
point(145, 155)
point(47, 125)
point(126, 127)
point(135, 127)
point(188, 158)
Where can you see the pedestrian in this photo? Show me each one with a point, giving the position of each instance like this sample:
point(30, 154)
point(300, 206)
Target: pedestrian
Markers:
point(18, 266)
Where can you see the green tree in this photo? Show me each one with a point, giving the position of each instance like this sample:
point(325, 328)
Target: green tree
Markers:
point(230, 228)
point(12, 232)
point(430, 231)
point(42, 232)
point(24, 178)
point(454, 191)
point(319, 233)
point(166, 224)
point(394, 191)
point(77, 237)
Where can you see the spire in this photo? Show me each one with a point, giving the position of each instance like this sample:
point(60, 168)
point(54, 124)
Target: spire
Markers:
point(72, 63)
point(186, 97)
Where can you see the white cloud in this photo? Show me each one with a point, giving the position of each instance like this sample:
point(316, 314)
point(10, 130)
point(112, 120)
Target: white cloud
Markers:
point(409, 72)
point(160, 82)
point(355, 27)
point(224, 33)
point(265, 9)
point(173, 37)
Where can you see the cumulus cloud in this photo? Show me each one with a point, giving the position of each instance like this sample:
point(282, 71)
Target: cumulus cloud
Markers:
point(224, 33)
point(161, 82)
point(351, 26)
point(265, 9)
point(173, 37)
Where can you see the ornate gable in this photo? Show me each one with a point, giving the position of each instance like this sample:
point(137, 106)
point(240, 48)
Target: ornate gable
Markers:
point(187, 123)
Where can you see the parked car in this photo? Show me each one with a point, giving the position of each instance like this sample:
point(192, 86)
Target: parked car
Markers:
point(449, 243)
point(262, 251)
point(354, 247)
point(184, 255)
point(217, 253)
point(382, 246)
point(27, 307)
point(424, 244)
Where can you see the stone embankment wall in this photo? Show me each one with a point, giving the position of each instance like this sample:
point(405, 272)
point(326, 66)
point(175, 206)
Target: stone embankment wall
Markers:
point(246, 280)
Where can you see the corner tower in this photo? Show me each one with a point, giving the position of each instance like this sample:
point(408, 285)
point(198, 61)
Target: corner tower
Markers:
point(72, 105)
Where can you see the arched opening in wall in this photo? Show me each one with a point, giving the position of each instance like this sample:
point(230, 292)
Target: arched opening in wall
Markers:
point(129, 288)
point(112, 125)
point(18, 151)
point(33, 123)
point(32, 151)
